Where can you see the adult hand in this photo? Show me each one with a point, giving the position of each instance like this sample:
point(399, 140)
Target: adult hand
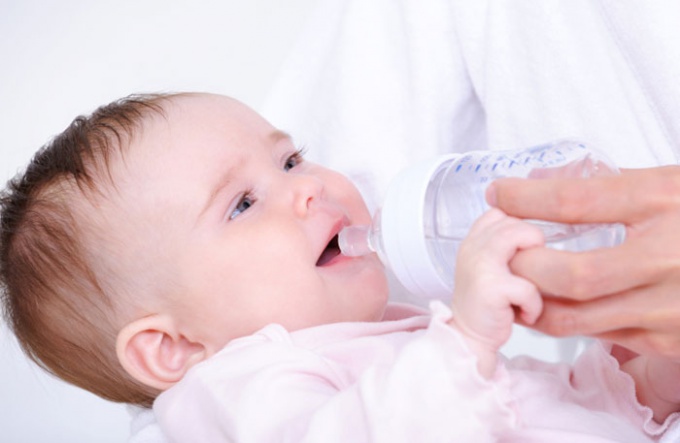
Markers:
point(629, 294)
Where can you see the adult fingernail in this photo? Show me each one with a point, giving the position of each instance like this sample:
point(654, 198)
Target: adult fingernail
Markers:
point(491, 195)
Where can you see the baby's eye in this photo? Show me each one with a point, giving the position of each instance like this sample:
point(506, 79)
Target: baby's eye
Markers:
point(294, 159)
point(245, 202)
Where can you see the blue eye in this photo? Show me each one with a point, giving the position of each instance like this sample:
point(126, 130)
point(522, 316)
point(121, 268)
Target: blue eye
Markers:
point(294, 159)
point(245, 202)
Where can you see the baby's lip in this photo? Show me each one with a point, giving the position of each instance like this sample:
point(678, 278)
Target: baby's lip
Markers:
point(331, 248)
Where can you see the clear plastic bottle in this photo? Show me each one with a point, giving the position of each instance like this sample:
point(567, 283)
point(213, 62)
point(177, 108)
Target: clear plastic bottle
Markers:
point(429, 208)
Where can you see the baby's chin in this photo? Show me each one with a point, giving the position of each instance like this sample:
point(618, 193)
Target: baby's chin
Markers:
point(382, 297)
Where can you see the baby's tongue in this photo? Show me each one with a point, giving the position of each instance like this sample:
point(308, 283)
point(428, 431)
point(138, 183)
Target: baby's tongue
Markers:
point(329, 253)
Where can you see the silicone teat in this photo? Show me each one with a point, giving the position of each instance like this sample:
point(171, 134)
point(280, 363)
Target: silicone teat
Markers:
point(354, 241)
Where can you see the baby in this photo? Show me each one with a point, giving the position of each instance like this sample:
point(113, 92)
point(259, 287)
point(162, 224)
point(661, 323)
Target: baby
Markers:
point(177, 251)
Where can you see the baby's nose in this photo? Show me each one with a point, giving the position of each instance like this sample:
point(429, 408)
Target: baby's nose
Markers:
point(307, 190)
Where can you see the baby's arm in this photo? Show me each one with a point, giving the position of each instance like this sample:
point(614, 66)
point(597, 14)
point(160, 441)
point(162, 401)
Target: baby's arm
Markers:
point(656, 384)
point(487, 294)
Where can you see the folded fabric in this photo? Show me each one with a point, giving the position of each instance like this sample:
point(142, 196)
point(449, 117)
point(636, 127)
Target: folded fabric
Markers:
point(373, 86)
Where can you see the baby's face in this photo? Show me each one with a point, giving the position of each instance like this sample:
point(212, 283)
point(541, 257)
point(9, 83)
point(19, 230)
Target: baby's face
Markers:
point(225, 202)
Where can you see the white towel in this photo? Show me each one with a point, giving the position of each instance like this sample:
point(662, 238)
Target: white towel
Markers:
point(374, 85)
point(369, 83)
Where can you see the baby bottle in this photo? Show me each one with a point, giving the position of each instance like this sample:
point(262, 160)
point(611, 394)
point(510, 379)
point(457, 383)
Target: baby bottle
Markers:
point(429, 208)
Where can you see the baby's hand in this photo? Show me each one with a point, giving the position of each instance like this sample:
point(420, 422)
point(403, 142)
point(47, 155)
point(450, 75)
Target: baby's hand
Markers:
point(486, 293)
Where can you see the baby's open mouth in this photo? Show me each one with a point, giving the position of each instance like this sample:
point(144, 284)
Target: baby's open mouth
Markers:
point(330, 252)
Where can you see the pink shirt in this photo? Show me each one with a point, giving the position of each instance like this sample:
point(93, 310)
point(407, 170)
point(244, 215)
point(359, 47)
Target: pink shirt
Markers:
point(409, 378)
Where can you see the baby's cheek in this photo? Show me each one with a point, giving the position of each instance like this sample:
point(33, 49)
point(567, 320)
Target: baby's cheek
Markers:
point(358, 205)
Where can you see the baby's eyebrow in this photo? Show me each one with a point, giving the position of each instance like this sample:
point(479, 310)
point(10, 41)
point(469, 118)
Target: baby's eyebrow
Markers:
point(223, 181)
point(278, 135)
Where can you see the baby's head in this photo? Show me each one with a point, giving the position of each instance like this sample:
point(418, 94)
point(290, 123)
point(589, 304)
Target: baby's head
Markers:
point(148, 235)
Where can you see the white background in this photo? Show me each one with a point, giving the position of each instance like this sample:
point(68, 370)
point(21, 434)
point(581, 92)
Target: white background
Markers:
point(61, 58)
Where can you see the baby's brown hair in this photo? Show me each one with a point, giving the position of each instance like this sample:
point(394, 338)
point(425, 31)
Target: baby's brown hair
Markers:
point(61, 308)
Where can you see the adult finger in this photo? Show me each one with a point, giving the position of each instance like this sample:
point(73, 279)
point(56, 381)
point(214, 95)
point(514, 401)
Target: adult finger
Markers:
point(645, 342)
point(590, 274)
point(642, 308)
point(628, 197)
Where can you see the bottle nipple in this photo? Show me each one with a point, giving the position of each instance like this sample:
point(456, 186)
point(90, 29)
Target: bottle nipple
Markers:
point(354, 241)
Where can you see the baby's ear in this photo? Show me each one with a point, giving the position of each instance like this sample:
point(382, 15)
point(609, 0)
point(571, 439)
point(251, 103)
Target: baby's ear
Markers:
point(153, 351)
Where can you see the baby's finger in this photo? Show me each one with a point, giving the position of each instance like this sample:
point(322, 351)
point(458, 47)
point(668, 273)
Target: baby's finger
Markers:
point(526, 297)
point(488, 219)
point(509, 235)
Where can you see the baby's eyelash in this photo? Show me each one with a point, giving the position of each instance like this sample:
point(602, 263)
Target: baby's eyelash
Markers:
point(295, 158)
point(245, 201)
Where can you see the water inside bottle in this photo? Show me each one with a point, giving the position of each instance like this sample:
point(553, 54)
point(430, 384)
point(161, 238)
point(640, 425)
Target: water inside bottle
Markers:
point(456, 199)
point(561, 237)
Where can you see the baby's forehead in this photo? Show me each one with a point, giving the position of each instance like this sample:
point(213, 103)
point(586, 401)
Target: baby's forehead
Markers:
point(205, 105)
point(198, 121)
point(196, 136)
point(191, 134)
